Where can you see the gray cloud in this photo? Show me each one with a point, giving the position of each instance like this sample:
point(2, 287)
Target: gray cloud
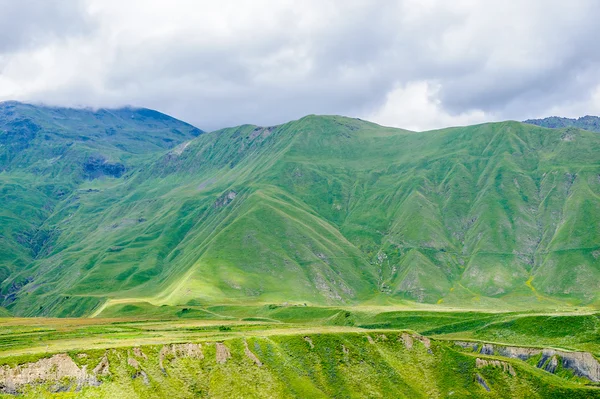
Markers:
point(409, 63)
point(32, 23)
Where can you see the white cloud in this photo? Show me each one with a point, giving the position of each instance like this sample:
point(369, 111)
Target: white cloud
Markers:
point(415, 106)
point(230, 62)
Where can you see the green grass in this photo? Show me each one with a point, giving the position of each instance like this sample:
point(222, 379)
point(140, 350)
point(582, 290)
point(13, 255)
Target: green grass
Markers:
point(339, 361)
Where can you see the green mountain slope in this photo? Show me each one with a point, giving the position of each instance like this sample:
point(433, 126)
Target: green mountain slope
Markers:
point(47, 153)
point(329, 210)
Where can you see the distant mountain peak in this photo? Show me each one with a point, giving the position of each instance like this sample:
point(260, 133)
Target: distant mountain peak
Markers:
point(587, 122)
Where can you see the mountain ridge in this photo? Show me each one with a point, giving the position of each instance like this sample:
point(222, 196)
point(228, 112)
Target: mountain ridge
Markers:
point(588, 122)
point(329, 210)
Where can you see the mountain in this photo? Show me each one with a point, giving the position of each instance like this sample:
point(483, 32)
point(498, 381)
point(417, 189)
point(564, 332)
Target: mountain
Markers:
point(591, 123)
point(322, 210)
point(46, 153)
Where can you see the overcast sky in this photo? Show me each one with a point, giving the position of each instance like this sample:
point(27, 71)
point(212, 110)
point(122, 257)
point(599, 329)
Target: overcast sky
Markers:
point(417, 64)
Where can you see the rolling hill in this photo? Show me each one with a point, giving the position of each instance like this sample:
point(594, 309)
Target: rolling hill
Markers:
point(323, 210)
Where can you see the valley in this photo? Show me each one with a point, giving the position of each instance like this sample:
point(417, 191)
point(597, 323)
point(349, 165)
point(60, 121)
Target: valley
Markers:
point(324, 257)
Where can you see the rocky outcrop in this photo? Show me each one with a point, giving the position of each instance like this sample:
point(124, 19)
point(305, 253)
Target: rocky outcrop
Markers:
point(225, 199)
point(481, 363)
point(189, 350)
point(138, 370)
point(96, 166)
point(222, 354)
point(517, 352)
point(582, 364)
point(138, 353)
point(103, 368)
point(251, 355)
point(407, 339)
point(482, 382)
point(56, 369)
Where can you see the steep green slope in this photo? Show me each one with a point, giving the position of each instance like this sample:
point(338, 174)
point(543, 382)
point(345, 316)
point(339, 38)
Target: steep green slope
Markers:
point(332, 210)
point(46, 153)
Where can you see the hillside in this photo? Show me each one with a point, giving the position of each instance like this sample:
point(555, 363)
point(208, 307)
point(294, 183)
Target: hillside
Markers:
point(591, 123)
point(323, 210)
point(46, 153)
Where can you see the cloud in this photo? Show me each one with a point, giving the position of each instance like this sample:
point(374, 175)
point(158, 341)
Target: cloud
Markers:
point(416, 106)
point(31, 23)
point(224, 63)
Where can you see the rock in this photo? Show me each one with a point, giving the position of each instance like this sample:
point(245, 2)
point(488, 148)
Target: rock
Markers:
point(251, 355)
point(55, 368)
point(550, 366)
point(583, 364)
point(307, 339)
point(487, 349)
point(482, 382)
point(222, 354)
point(408, 341)
point(138, 352)
point(133, 363)
point(98, 166)
point(193, 351)
point(188, 350)
point(103, 367)
point(517, 352)
point(225, 199)
point(481, 363)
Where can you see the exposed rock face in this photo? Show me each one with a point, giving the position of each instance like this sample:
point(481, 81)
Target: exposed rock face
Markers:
point(251, 355)
point(189, 350)
point(133, 363)
point(138, 353)
point(53, 369)
point(482, 382)
point(481, 363)
point(487, 349)
point(583, 364)
point(408, 341)
point(103, 367)
point(550, 366)
point(138, 371)
point(97, 166)
point(225, 199)
point(223, 353)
